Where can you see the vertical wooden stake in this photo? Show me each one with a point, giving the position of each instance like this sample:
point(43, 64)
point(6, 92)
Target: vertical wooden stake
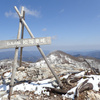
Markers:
point(15, 60)
point(21, 49)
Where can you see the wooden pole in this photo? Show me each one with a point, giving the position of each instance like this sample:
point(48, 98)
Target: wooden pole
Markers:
point(15, 60)
point(42, 53)
point(21, 49)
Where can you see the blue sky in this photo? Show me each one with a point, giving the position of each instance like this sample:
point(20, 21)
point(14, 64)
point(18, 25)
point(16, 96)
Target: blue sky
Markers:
point(72, 24)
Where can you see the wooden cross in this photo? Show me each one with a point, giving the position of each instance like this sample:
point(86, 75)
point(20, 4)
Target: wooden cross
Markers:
point(25, 42)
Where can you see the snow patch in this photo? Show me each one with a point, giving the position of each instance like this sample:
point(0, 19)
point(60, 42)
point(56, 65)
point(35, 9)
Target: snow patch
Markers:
point(7, 75)
point(52, 57)
point(93, 79)
point(80, 74)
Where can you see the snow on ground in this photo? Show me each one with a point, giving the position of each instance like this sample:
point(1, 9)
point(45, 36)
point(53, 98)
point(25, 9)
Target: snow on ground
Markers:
point(70, 91)
point(7, 74)
point(80, 74)
point(53, 57)
point(65, 76)
point(94, 79)
point(39, 86)
point(4, 87)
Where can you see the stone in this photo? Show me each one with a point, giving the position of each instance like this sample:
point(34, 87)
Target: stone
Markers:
point(1, 82)
point(21, 75)
point(22, 68)
point(0, 77)
point(91, 95)
point(54, 83)
point(16, 97)
point(35, 74)
point(2, 93)
point(7, 81)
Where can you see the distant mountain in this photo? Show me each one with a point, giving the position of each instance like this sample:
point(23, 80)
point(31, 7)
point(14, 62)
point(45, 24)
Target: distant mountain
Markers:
point(33, 56)
point(94, 54)
point(30, 56)
point(58, 59)
point(63, 56)
point(77, 55)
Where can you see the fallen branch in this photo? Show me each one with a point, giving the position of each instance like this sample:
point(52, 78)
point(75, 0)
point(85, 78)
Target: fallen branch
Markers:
point(58, 91)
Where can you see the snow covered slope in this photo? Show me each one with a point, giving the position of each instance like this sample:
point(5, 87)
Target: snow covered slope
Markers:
point(60, 59)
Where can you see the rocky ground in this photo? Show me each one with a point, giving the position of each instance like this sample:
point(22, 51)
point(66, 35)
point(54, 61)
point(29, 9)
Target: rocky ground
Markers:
point(34, 81)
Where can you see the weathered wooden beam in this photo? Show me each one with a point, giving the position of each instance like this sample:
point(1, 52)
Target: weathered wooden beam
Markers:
point(24, 42)
point(21, 49)
point(15, 60)
point(58, 91)
point(42, 53)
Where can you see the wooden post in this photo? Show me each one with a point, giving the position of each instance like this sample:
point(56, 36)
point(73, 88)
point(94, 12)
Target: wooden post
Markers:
point(21, 49)
point(32, 36)
point(15, 60)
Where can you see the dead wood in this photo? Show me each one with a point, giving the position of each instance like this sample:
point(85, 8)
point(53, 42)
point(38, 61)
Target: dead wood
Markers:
point(85, 87)
point(72, 80)
point(58, 91)
point(92, 69)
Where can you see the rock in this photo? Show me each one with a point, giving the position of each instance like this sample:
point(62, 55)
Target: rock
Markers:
point(1, 82)
point(34, 74)
point(6, 81)
point(26, 93)
point(0, 77)
point(2, 93)
point(91, 95)
point(21, 75)
point(54, 83)
point(19, 97)
point(22, 68)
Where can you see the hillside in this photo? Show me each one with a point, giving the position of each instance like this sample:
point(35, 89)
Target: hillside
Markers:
point(60, 58)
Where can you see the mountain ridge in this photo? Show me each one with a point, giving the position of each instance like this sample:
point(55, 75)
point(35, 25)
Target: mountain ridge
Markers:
point(33, 56)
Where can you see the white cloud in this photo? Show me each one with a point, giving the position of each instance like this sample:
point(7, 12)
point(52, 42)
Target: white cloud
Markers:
point(11, 14)
point(30, 12)
point(44, 29)
point(61, 11)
